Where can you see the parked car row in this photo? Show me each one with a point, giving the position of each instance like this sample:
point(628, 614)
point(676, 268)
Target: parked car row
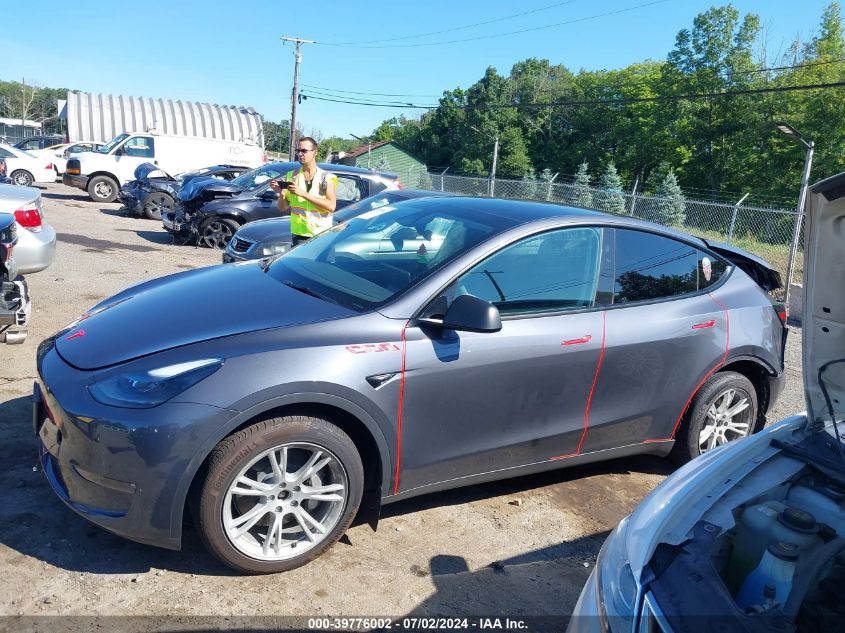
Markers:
point(101, 173)
point(211, 213)
point(27, 246)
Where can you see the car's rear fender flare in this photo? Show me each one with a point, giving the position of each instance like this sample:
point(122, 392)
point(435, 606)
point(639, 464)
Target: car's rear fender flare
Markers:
point(280, 405)
point(757, 371)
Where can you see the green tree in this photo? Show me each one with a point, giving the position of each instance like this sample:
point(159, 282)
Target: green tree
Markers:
point(583, 193)
point(611, 198)
point(671, 205)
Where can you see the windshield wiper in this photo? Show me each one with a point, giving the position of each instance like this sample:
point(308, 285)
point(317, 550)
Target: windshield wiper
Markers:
point(308, 291)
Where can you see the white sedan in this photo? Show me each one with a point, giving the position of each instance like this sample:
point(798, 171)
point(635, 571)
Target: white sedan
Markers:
point(36, 247)
point(26, 169)
point(59, 154)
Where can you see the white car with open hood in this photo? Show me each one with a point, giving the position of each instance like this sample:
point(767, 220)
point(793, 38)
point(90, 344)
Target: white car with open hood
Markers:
point(750, 536)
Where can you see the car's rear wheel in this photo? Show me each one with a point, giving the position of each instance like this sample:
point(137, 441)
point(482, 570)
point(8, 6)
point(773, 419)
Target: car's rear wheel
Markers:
point(157, 204)
point(102, 189)
point(279, 493)
point(723, 409)
point(22, 178)
point(216, 232)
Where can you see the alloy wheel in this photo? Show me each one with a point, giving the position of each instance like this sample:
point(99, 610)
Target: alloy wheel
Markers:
point(217, 235)
point(728, 418)
point(285, 501)
point(22, 179)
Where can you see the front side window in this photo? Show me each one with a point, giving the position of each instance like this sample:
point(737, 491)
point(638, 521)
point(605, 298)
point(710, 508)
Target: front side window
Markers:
point(550, 272)
point(650, 267)
point(140, 147)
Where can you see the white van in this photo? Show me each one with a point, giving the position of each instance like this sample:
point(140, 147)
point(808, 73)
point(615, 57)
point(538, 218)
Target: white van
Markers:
point(102, 172)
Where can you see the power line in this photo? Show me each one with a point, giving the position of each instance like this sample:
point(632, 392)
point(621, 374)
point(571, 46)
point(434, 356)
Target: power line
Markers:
point(599, 102)
point(452, 30)
point(495, 35)
point(339, 93)
point(374, 94)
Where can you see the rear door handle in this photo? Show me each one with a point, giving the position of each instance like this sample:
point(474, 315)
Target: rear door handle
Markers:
point(578, 341)
point(704, 325)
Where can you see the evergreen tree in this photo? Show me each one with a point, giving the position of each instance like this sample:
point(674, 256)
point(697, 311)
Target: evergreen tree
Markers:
point(612, 199)
point(671, 205)
point(583, 193)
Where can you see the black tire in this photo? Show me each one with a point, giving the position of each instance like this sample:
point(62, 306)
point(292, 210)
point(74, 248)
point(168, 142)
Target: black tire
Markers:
point(238, 452)
point(21, 178)
point(102, 189)
point(156, 204)
point(696, 424)
point(216, 232)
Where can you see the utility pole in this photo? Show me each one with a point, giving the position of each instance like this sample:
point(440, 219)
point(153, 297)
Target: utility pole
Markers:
point(493, 170)
point(295, 93)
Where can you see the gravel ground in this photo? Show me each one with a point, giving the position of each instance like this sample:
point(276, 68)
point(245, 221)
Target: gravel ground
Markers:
point(523, 546)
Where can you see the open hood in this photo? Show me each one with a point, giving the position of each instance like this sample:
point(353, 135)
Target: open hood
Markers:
point(824, 302)
point(144, 170)
point(186, 308)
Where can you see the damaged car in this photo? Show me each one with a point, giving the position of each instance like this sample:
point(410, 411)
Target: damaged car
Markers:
point(210, 215)
point(751, 535)
point(154, 190)
point(15, 305)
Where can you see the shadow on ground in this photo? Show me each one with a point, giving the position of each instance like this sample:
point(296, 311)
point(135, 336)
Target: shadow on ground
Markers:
point(36, 523)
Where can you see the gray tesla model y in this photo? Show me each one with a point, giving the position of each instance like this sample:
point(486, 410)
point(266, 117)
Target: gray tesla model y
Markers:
point(474, 340)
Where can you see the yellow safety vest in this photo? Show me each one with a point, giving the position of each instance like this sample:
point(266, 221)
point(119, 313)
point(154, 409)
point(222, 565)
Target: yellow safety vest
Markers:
point(306, 219)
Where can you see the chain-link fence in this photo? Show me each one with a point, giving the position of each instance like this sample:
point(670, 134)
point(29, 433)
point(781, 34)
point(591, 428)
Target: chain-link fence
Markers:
point(765, 232)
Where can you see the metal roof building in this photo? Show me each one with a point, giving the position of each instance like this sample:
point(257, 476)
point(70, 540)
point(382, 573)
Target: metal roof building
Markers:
point(99, 117)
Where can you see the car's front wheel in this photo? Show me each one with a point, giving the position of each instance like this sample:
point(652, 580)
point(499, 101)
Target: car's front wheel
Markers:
point(279, 493)
point(722, 410)
point(157, 204)
point(102, 189)
point(216, 232)
point(22, 178)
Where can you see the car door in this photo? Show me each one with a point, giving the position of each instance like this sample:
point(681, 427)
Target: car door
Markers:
point(481, 402)
point(665, 331)
point(136, 150)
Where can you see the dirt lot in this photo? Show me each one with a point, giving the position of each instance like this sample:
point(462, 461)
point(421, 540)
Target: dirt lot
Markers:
point(520, 547)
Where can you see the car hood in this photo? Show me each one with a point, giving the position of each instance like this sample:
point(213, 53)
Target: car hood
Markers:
point(824, 304)
point(270, 231)
point(145, 169)
point(192, 188)
point(671, 510)
point(186, 308)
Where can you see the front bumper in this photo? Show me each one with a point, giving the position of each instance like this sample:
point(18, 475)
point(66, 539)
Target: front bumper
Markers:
point(175, 222)
point(35, 250)
point(80, 181)
point(126, 470)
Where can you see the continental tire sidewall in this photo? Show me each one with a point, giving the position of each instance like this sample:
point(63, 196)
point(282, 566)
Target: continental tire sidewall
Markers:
point(233, 453)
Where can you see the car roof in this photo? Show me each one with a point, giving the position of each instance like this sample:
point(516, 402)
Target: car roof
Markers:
point(518, 212)
point(342, 169)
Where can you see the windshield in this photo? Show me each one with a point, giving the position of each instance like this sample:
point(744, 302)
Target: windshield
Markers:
point(108, 147)
point(371, 259)
point(252, 180)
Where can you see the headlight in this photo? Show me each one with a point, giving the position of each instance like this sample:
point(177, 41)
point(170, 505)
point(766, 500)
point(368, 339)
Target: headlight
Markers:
point(144, 390)
point(617, 588)
point(274, 249)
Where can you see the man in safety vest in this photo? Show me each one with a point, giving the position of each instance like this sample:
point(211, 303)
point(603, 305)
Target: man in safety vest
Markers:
point(308, 193)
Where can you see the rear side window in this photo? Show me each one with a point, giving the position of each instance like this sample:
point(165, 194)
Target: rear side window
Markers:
point(349, 189)
point(650, 267)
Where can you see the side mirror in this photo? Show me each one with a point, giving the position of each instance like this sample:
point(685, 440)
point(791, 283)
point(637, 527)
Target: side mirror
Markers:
point(119, 151)
point(268, 194)
point(471, 314)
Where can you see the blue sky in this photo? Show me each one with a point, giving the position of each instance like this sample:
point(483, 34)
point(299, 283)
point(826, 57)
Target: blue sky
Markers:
point(230, 52)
